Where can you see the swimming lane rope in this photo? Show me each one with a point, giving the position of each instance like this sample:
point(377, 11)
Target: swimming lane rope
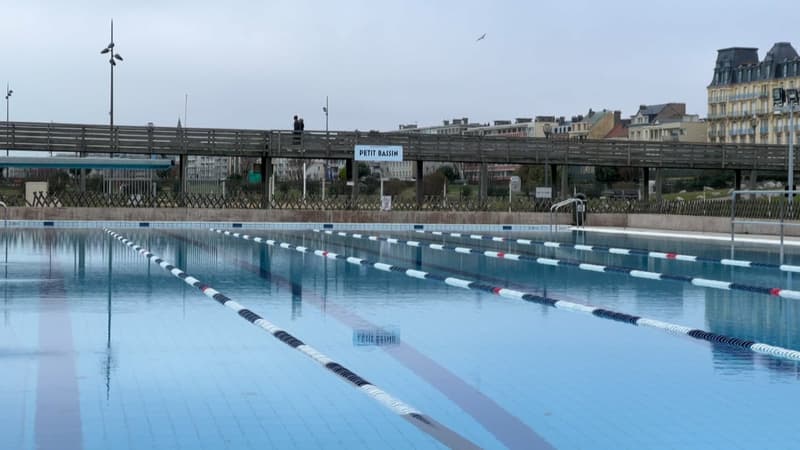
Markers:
point(423, 422)
point(697, 281)
point(621, 251)
point(535, 298)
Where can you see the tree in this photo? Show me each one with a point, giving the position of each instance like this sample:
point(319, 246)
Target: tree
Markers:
point(57, 181)
point(531, 176)
point(449, 172)
point(433, 184)
point(363, 170)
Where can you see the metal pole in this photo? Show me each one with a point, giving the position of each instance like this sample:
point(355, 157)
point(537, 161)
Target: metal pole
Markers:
point(327, 147)
point(791, 153)
point(111, 112)
point(8, 100)
point(304, 181)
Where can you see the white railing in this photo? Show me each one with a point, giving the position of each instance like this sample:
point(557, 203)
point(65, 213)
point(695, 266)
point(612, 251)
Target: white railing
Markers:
point(579, 210)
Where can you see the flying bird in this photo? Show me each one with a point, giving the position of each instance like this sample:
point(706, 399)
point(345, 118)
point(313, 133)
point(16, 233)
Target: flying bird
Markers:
point(483, 36)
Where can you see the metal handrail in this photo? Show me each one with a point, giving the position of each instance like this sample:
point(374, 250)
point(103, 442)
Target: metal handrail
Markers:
point(5, 213)
point(560, 204)
point(780, 222)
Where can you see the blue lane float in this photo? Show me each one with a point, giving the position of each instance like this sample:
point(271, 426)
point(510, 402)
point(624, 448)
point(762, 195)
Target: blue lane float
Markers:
point(596, 311)
point(673, 256)
point(658, 276)
point(424, 422)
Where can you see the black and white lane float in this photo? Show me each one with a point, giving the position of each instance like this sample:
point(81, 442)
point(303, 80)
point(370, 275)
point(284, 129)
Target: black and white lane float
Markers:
point(630, 271)
point(425, 423)
point(596, 311)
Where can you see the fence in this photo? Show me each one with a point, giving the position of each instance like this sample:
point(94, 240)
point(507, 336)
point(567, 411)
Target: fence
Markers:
point(750, 208)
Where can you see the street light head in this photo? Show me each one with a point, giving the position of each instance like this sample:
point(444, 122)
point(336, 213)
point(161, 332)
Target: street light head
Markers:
point(778, 96)
point(113, 63)
point(104, 51)
point(117, 56)
point(110, 45)
point(792, 96)
point(325, 109)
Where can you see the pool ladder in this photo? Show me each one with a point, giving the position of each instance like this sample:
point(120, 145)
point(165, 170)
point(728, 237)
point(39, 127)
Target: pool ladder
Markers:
point(580, 211)
point(5, 213)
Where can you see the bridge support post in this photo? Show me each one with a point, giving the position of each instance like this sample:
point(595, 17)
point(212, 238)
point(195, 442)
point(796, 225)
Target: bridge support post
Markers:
point(546, 170)
point(751, 184)
point(184, 163)
point(484, 181)
point(659, 183)
point(420, 189)
point(553, 178)
point(645, 183)
point(737, 179)
point(266, 182)
point(565, 181)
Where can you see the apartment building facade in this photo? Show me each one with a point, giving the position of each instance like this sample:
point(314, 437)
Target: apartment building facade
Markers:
point(666, 122)
point(739, 97)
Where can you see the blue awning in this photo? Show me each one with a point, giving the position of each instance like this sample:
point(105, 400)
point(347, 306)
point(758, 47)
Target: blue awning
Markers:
point(66, 162)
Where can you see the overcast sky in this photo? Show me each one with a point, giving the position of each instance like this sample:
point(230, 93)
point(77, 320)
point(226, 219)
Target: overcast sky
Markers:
point(253, 64)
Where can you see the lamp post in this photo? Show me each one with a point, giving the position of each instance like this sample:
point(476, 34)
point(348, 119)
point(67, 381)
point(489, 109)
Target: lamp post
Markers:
point(111, 60)
point(327, 142)
point(783, 100)
point(8, 100)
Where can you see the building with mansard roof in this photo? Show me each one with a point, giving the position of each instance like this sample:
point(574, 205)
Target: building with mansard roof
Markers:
point(739, 96)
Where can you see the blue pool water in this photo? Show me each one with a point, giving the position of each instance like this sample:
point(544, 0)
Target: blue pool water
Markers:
point(100, 349)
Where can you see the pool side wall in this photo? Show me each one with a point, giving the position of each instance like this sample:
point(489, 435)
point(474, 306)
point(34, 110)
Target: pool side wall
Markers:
point(649, 221)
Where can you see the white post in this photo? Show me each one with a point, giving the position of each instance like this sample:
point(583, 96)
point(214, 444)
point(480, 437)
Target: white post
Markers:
point(324, 176)
point(509, 194)
point(304, 181)
point(271, 187)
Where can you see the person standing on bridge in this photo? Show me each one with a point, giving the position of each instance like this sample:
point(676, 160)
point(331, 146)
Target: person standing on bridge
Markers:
point(296, 137)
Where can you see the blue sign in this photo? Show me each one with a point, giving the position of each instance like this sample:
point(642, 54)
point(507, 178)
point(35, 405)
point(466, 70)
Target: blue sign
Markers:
point(378, 153)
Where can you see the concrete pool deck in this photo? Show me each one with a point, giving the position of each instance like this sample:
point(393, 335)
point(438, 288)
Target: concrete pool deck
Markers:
point(739, 238)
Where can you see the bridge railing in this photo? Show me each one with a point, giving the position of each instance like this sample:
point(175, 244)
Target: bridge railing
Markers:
point(80, 138)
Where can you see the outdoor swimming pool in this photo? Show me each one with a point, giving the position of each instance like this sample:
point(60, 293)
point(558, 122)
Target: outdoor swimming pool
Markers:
point(102, 349)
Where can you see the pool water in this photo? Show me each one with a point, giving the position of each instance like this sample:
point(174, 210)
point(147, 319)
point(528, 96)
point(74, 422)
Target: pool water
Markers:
point(101, 349)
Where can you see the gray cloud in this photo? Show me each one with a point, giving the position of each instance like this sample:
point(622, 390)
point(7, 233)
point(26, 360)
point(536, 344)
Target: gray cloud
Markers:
point(253, 64)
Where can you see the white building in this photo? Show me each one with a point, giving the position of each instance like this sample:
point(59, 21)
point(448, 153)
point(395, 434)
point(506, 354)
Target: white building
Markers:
point(521, 127)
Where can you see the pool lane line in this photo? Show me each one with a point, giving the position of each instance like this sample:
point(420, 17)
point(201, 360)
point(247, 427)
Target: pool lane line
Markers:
point(504, 426)
point(423, 422)
point(630, 271)
point(673, 256)
point(596, 311)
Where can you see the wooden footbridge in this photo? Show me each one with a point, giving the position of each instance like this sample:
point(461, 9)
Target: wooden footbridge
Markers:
point(339, 145)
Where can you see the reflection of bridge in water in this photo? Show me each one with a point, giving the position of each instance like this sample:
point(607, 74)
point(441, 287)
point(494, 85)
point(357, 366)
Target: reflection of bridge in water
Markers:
point(339, 145)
